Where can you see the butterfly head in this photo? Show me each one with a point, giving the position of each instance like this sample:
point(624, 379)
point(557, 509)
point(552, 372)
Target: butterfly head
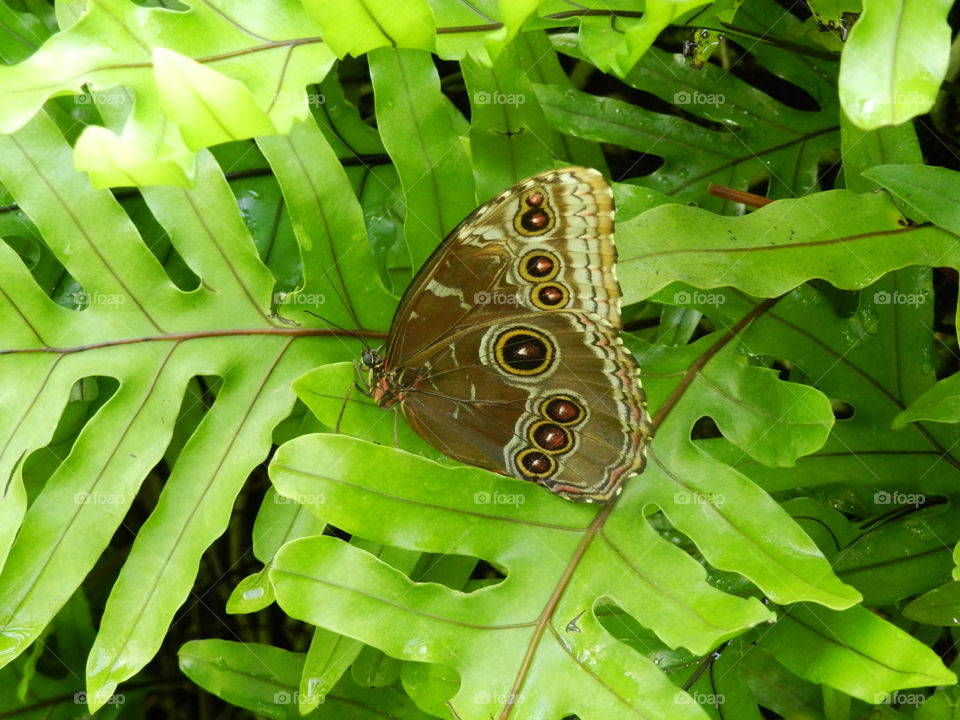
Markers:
point(371, 358)
point(380, 381)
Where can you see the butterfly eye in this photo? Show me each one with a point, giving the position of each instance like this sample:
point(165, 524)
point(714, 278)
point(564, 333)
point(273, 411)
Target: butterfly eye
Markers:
point(369, 358)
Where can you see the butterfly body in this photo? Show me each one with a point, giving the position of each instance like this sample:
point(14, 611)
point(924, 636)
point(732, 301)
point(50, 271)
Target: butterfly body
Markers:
point(505, 350)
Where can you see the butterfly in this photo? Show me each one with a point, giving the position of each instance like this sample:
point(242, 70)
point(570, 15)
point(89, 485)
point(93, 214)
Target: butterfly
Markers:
point(505, 350)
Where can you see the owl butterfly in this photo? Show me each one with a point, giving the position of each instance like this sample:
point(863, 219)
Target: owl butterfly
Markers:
point(505, 351)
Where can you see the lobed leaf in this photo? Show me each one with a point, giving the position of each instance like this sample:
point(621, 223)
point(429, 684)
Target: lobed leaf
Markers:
point(847, 239)
point(153, 337)
point(894, 61)
point(246, 673)
point(257, 60)
point(929, 193)
point(419, 135)
point(358, 26)
point(854, 651)
point(940, 606)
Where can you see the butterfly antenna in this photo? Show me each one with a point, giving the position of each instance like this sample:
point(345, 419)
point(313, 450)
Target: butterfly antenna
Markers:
point(343, 297)
point(340, 327)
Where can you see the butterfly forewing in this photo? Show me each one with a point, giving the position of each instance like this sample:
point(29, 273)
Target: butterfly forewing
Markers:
point(477, 272)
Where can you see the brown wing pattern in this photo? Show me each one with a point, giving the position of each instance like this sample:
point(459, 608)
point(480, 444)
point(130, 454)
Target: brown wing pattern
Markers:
point(472, 405)
point(508, 342)
point(477, 274)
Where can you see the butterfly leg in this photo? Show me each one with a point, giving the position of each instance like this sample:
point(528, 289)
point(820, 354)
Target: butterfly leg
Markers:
point(361, 384)
point(343, 408)
point(396, 438)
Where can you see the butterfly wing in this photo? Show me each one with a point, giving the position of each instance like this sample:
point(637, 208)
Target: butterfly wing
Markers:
point(544, 244)
point(507, 343)
point(552, 398)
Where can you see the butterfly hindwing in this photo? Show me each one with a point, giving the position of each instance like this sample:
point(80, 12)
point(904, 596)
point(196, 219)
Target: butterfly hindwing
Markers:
point(551, 398)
